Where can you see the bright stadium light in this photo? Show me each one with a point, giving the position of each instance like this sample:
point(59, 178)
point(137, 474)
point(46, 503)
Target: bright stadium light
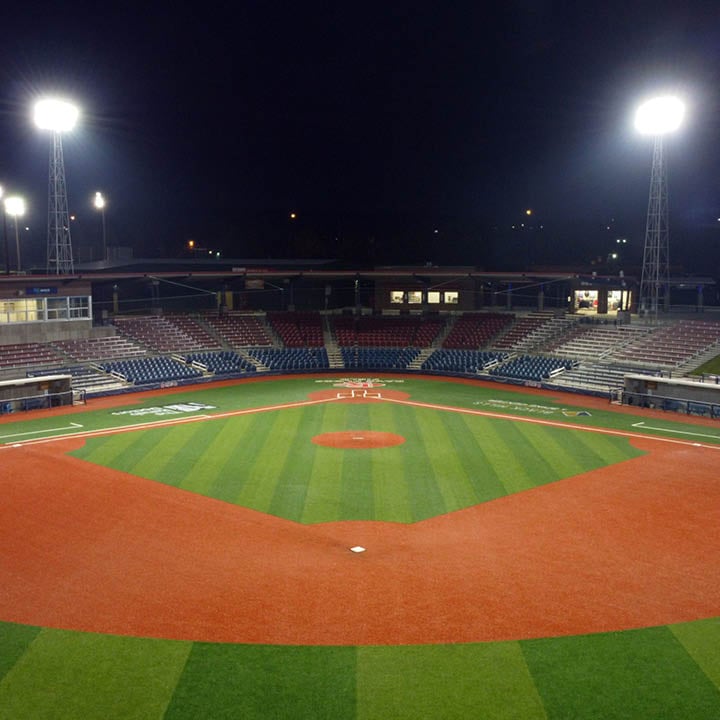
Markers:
point(660, 115)
point(657, 118)
point(57, 116)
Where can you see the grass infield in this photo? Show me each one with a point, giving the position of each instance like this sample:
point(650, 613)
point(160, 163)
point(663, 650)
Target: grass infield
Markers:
point(466, 444)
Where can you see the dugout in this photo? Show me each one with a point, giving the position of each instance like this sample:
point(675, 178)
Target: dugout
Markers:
point(33, 393)
point(694, 397)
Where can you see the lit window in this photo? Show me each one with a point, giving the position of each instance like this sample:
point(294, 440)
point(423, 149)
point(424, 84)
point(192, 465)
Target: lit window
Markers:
point(415, 297)
point(451, 297)
point(397, 297)
point(433, 297)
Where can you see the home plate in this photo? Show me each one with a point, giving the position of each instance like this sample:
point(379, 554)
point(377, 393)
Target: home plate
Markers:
point(358, 437)
point(357, 549)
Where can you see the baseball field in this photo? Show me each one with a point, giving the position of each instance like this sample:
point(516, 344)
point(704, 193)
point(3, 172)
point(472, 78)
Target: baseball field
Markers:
point(335, 546)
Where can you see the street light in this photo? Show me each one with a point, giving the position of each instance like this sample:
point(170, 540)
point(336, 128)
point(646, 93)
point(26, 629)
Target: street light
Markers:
point(58, 116)
point(100, 203)
point(15, 206)
point(657, 118)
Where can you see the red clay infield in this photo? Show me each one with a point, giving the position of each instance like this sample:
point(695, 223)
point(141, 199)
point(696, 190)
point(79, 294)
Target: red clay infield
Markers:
point(89, 548)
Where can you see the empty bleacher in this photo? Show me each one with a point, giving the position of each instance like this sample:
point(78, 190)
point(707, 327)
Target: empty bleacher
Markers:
point(462, 361)
point(532, 367)
point(290, 358)
point(163, 334)
point(143, 371)
point(378, 358)
point(297, 329)
point(101, 348)
point(240, 331)
point(473, 331)
point(29, 355)
point(394, 331)
point(225, 362)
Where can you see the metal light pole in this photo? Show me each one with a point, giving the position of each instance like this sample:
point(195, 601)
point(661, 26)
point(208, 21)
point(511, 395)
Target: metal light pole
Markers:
point(58, 116)
point(657, 118)
point(5, 239)
point(100, 204)
point(15, 206)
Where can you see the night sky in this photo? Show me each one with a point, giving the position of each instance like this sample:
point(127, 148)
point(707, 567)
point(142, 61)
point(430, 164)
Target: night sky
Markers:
point(398, 132)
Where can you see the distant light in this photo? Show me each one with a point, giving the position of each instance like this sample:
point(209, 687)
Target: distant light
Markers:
point(217, 254)
point(191, 244)
point(659, 116)
point(209, 252)
point(56, 115)
point(14, 205)
point(99, 201)
point(528, 212)
point(614, 256)
point(436, 231)
point(293, 216)
point(72, 217)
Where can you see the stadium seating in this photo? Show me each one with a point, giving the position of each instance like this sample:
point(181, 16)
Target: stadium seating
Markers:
point(151, 370)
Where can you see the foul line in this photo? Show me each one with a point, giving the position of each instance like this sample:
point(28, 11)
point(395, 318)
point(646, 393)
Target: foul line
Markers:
point(157, 423)
point(552, 423)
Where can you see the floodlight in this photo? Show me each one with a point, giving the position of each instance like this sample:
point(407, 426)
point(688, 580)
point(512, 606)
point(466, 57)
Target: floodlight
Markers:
point(56, 115)
point(99, 201)
point(660, 115)
point(14, 205)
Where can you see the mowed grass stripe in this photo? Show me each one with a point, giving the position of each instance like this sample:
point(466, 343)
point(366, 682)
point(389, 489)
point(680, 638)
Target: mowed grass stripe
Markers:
point(356, 494)
point(451, 476)
point(276, 443)
point(640, 674)
point(701, 640)
point(84, 675)
point(469, 439)
point(426, 499)
point(14, 641)
point(260, 681)
point(322, 500)
point(389, 479)
point(509, 465)
point(446, 682)
point(291, 488)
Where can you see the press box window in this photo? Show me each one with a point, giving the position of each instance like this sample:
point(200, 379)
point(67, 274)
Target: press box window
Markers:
point(397, 297)
point(451, 297)
point(414, 297)
point(433, 297)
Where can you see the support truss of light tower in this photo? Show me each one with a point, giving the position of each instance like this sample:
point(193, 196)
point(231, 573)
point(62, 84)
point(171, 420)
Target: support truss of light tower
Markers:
point(57, 116)
point(655, 279)
point(657, 117)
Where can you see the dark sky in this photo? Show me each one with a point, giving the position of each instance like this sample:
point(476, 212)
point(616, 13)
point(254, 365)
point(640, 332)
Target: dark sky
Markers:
point(378, 124)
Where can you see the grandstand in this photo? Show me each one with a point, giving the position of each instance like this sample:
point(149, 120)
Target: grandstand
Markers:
point(561, 350)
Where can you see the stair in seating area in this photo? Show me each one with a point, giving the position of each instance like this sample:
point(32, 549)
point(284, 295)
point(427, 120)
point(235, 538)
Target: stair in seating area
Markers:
point(423, 355)
point(334, 354)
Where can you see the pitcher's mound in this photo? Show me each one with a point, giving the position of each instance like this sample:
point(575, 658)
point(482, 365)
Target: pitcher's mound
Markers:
point(358, 439)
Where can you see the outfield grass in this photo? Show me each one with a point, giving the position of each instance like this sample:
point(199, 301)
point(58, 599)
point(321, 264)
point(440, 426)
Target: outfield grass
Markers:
point(269, 463)
point(266, 461)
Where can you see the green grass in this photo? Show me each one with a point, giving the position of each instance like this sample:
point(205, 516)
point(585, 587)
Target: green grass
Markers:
point(712, 367)
point(663, 672)
point(268, 462)
point(265, 460)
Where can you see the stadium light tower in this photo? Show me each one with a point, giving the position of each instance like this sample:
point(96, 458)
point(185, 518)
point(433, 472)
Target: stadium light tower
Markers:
point(58, 116)
point(15, 207)
point(657, 117)
point(100, 203)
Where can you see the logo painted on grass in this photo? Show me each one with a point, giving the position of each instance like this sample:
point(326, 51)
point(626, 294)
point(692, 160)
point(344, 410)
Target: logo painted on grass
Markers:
point(164, 410)
point(359, 383)
point(532, 408)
